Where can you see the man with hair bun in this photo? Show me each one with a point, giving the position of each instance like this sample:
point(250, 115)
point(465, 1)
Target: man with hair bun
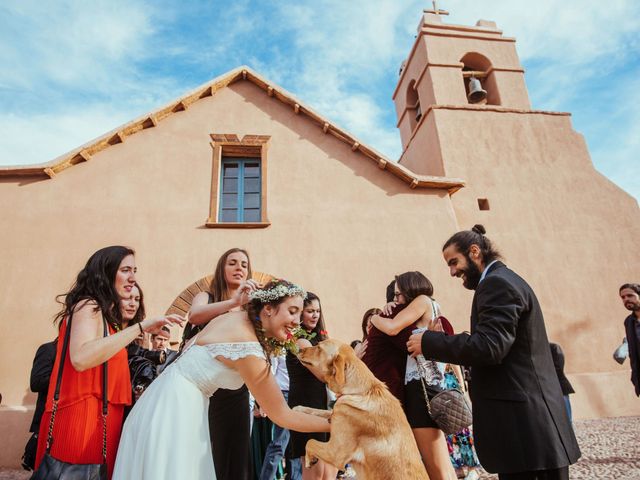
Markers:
point(630, 296)
point(521, 427)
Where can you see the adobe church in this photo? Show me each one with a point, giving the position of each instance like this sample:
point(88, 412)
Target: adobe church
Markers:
point(241, 162)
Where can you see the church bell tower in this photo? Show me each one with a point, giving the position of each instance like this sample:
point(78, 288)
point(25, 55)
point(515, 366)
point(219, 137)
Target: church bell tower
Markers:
point(452, 67)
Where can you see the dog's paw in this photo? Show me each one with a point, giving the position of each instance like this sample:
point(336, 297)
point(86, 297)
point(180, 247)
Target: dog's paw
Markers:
point(309, 461)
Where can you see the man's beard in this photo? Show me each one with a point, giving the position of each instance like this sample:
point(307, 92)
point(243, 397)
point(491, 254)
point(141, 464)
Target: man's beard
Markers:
point(632, 306)
point(472, 274)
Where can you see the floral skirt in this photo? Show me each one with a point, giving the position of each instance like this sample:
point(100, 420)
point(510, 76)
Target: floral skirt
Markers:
point(460, 444)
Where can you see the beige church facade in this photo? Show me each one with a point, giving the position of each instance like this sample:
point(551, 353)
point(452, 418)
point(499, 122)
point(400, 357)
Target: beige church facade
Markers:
point(241, 162)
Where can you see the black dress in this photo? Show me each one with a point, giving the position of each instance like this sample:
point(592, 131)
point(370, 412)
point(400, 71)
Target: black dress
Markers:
point(307, 390)
point(230, 431)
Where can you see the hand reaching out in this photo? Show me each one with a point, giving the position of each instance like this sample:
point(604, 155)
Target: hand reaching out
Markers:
point(154, 325)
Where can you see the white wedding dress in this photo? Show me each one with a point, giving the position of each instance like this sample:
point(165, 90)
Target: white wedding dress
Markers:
point(166, 435)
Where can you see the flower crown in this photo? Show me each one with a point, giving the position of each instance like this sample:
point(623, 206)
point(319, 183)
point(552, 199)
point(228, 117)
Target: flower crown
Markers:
point(276, 293)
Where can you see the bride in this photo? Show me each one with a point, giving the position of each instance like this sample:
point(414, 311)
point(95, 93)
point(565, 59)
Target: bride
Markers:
point(166, 435)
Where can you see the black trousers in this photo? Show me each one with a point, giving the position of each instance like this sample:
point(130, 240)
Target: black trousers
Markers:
point(555, 474)
point(229, 428)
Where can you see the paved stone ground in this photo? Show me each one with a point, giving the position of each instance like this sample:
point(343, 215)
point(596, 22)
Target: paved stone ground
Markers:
point(610, 451)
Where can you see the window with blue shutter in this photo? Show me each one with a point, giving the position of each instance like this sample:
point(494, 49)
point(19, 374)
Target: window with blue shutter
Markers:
point(240, 190)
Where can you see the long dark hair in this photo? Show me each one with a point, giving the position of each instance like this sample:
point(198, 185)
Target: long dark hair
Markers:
point(218, 287)
point(320, 330)
point(255, 306)
point(140, 314)
point(476, 236)
point(365, 320)
point(413, 284)
point(96, 281)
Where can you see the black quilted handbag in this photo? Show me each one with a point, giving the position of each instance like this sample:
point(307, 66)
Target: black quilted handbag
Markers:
point(53, 469)
point(450, 409)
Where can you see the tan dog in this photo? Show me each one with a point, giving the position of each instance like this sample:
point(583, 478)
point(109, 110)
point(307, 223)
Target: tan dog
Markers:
point(368, 427)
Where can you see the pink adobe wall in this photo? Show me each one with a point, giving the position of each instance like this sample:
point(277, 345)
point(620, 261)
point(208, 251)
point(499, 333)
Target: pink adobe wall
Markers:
point(340, 226)
point(558, 222)
point(423, 154)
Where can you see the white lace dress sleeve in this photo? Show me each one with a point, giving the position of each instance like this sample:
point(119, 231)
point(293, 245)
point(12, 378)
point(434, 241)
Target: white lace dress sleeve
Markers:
point(235, 351)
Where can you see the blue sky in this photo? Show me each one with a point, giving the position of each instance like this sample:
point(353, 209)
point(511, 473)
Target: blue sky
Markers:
point(73, 70)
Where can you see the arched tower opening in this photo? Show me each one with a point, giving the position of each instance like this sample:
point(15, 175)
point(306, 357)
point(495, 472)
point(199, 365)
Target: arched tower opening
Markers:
point(478, 75)
point(413, 105)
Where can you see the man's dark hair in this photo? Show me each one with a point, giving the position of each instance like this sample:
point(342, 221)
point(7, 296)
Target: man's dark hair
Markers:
point(476, 236)
point(163, 328)
point(632, 286)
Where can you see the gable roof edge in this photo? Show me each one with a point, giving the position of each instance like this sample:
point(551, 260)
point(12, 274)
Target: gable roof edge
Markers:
point(119, 134)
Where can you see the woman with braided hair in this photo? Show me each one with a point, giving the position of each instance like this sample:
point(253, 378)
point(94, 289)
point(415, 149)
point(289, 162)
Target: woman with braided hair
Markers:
point(166, 436)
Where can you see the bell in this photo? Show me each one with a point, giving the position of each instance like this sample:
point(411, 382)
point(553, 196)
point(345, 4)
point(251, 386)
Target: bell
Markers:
point(476, 93)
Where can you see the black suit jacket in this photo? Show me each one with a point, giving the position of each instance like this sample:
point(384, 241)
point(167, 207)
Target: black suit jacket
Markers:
point(39, 381)
point(634, 355)
point(558, 362)
point(519, 418)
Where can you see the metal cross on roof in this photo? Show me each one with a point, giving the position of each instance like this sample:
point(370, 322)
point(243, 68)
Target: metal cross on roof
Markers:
point(436, 10)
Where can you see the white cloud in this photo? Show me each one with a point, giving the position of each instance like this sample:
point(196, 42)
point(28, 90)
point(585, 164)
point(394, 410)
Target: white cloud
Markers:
point(79, 69)
point(615, 153)
point(50, 135)
point(573, 31)
point(72, 44)
point(342, 53)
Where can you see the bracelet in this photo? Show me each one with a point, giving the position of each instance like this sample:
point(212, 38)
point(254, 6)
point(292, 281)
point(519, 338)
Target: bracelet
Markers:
point(140, 327)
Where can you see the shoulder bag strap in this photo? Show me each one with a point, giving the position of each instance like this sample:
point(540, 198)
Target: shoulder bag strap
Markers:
point(56, 394)
point(105, 403)
point(435, 309)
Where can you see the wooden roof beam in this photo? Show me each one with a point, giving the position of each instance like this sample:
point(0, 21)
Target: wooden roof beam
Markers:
point(207, 92)
point(181, 106)
point(150, 122)
point(118, 137)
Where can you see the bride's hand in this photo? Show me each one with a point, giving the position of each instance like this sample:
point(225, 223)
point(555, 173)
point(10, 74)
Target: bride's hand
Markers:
point(154, 325)
point(241, 297)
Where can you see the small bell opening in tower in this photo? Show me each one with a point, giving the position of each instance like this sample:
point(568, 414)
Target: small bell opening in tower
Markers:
point(476, 92)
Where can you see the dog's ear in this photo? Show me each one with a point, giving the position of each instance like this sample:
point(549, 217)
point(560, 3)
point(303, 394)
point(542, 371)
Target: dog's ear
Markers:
point(339, 369)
